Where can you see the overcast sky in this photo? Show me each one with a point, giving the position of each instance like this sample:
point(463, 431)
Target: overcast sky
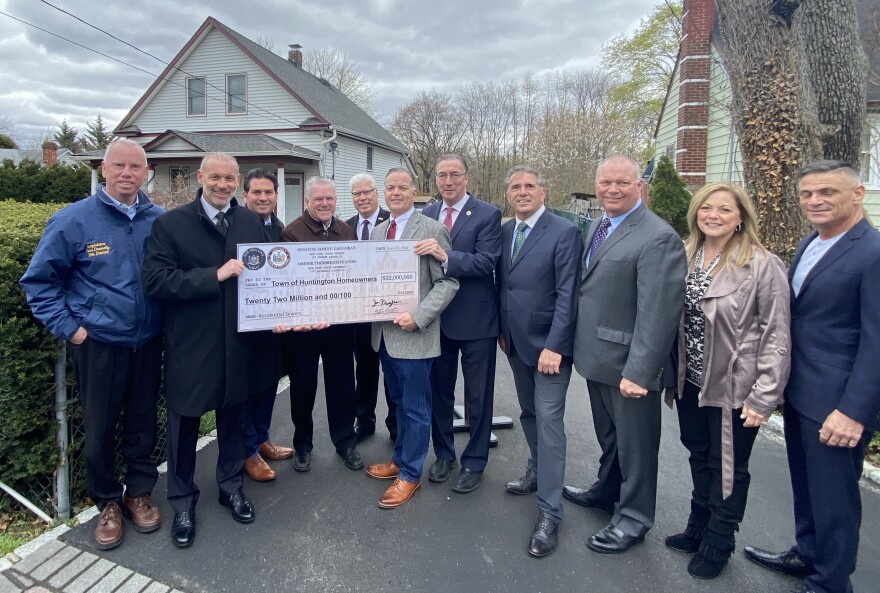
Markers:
point(401, 46)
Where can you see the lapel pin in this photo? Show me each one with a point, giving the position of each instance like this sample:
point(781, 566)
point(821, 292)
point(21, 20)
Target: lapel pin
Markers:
point(468, 212)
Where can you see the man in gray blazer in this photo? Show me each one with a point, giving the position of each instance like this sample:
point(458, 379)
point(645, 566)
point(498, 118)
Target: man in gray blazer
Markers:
point(408, 344)
point(537, 277)
point(630, 301)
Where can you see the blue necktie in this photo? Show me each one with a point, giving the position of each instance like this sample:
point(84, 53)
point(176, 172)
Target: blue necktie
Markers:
point(600, 236)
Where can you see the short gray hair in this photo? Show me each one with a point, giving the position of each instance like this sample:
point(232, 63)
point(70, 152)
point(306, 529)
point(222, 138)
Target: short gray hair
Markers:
point(361, 178)
point(621, 157)
point(451, 156)
point(520, 169)
point(317, 180)
point(830, 166)
point(218, 156)
point(401, 170)
point(125, 142)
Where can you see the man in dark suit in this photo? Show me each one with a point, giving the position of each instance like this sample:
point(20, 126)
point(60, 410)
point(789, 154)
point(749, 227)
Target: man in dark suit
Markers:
point(191, 267)
point(629, 305)
point(833, 395)
point(537, 279)
point(468, 325)
point(366, 391)
point(261, 196)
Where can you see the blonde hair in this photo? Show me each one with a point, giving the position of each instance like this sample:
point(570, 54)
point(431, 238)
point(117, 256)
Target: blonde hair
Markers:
point(744, 242)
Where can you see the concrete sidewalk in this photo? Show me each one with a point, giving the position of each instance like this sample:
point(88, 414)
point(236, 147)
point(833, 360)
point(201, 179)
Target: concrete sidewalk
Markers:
point(322, 530)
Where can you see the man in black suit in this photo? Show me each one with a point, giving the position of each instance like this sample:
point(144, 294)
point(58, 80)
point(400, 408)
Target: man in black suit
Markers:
point(832, 399)
point(261, 196)
point(537, 278)
point(366, 202)
point(191, 267)
point(468, 325)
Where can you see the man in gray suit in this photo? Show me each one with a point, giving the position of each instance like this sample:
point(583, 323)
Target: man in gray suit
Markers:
point(408, 344)
point(630, 301)
point(537, 277)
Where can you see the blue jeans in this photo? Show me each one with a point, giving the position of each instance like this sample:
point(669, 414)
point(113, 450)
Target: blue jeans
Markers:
point(409, 386)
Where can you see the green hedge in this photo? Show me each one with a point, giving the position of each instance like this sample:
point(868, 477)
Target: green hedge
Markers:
point(30, 181)
point(27, 352)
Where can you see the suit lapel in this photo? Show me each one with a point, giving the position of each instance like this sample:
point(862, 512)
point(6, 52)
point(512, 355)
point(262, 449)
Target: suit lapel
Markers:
point(412, 226)
point(533, 238)
point(464, 216)
point(622, 230)
point(844, 244)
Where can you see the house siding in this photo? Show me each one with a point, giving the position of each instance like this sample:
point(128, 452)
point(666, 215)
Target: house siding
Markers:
point(351, 159)
point(214, 58)
point(723, 162)
point(668, 128)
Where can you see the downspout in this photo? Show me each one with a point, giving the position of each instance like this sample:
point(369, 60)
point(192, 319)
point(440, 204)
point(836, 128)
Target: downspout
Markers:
point(324, 143)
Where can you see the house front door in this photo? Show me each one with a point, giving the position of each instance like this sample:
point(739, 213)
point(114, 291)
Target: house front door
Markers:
point(293, 196)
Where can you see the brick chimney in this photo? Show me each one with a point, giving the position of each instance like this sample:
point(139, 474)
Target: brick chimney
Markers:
point(295, 55)
point(693, 91)
point(50, 153)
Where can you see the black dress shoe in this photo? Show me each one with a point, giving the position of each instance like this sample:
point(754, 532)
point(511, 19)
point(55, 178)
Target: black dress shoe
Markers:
point(543, 539)
point(611, 540)
point(527, 484)
point(789, 562)
point(439, 472)
point(302, 462)
point(241, 509)
point(183, 529)
point(364, 430)
point(586, 498)
point(467, 481)
point(352, 459)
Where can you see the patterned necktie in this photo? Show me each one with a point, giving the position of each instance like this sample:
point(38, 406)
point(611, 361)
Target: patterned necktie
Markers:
point(222, 224)
point(365, 232)
point(447, 222)
point(600, 236)
point(392, 231)
point(518, 240)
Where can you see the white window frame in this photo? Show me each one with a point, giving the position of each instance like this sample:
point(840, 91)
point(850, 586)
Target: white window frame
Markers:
point(371, 154)
point(229, 95)
point(204, 80)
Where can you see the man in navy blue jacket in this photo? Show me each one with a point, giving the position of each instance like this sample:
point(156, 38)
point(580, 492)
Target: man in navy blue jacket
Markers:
point(468, 325)
point(833, 395)
point(84, 285)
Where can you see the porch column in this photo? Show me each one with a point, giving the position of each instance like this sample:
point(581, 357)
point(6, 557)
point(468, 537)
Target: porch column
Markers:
point(151, 178)
point(94, 179)
point(281, 210)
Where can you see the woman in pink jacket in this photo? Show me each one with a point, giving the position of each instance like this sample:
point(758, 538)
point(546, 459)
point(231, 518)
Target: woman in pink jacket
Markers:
point(733, 363)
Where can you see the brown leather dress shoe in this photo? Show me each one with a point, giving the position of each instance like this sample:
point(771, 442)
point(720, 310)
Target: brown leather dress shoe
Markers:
point(398, 493)
point(383, 471)
point(108, 532)
point(273, 452)
point(257, 469)
point(142, 512)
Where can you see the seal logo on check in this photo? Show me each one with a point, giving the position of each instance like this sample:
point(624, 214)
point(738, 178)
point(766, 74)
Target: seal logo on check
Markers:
point(279, 257)
point(254, 258)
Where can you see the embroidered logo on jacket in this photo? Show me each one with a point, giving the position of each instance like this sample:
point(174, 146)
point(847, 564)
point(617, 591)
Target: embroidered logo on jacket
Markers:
point(96, 249)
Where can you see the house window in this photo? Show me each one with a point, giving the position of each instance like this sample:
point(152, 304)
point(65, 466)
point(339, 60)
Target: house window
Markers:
point(870, 165)
point(196, 103)
point(236, 94)
point(178, 178)
point(369, 158)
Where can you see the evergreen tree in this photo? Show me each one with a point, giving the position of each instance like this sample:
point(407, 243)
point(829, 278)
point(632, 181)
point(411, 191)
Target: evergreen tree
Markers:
point(67, 136)
point(97, 136)
point(7, 142)
point(670, 197)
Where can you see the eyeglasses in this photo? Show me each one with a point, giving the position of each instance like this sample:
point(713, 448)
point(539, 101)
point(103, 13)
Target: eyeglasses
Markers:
point(366, 192)
point(451, 176)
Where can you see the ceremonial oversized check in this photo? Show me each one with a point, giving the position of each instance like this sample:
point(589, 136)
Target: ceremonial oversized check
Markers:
point(327, 281)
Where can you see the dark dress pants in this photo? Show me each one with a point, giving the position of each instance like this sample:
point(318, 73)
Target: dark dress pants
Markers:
point(827, 503)
point(628, 430)
point(183, 434)
point(333, 346)
point(114, 380)
point(366, 391)
point(258, 418)
point(701, 434)
point(478, 371)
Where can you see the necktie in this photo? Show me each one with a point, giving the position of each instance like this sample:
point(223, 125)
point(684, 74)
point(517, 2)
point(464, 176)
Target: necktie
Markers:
point(222, 224)
point(447, 222)
point(519, 240)
point(392, 230)
point(365, 232)
point(599, 237)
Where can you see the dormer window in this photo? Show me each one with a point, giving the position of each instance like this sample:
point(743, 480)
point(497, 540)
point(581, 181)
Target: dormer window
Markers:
point(236, 94)
point(196, 102)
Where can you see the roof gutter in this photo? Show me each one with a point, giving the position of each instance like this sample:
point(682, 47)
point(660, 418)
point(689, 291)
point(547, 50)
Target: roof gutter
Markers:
point(324, 152)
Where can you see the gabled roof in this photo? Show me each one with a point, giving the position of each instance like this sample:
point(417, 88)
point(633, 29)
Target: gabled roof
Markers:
point(328, 105)
point(232, 143)
point(17, 155)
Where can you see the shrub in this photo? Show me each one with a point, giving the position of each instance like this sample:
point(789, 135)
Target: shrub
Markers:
point(27, 352)
point(30, 181)
point(670, 197)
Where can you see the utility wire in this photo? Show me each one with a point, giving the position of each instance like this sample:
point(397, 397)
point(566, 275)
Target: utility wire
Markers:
point(152, 74)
